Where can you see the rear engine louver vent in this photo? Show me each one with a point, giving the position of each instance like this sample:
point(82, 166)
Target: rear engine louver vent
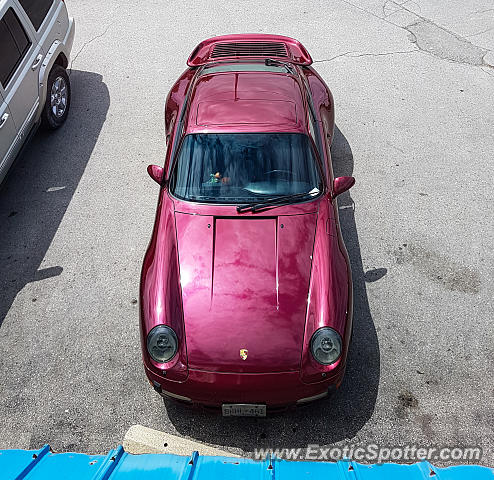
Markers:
point(249, 49)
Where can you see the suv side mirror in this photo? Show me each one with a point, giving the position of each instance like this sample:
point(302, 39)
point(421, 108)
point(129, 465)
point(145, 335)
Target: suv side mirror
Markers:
point(156, 173)
point(342, 184)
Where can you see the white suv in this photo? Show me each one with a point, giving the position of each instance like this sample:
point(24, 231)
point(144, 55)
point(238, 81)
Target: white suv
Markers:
point(35, 42)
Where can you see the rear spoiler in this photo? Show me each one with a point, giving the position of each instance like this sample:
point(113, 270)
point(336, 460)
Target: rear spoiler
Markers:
point(249, 46)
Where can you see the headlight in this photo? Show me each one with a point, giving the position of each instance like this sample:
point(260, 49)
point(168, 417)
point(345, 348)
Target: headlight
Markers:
point(325, 345)
point(162, 344)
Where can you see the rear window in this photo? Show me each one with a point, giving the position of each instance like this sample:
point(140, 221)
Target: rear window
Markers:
point(244, 67)
point(14, 43)
point(242, 167)
point(36, 10)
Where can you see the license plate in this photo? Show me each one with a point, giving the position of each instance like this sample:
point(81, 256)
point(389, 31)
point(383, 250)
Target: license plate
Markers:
point(243, 410)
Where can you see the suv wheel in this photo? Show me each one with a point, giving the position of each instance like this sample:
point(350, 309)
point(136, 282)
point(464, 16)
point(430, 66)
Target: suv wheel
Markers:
point(57, 99)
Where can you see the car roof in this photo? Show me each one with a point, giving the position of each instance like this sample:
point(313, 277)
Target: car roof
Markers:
point(246, 99)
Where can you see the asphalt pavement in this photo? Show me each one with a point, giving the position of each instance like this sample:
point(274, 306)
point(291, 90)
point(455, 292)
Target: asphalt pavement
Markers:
point(413, 84)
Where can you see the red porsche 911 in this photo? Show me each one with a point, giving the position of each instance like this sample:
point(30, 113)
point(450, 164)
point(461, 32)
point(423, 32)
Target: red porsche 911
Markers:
point(246, 292)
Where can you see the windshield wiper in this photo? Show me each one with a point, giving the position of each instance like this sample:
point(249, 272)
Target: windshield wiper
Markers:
point(276, 201)
point(269, 62)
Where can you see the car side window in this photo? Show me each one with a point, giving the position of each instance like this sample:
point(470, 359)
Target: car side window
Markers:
point(315, 133)
point(14, 43)
point(36, 10)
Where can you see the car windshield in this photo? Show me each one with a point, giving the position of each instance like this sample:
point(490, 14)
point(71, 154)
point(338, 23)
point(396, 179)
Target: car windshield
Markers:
point(244, 167)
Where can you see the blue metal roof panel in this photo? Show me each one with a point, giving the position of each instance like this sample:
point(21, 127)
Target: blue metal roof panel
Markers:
point(17, 463)
point(118, 465)
point(149, 467)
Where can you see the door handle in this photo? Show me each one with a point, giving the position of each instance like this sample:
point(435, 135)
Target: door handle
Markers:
point(3, 120)
point(37, 62)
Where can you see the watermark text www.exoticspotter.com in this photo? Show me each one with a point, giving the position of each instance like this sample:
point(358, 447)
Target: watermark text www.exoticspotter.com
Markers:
point(374, 453)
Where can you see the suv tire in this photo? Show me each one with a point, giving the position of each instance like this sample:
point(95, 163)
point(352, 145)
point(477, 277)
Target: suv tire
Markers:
point(57, 102)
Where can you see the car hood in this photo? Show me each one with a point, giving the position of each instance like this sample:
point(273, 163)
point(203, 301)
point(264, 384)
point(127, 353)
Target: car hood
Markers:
point(244, 286)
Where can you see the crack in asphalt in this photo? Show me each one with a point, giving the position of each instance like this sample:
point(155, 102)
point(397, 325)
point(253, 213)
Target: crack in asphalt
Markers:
point(431, 38)
point(370, 13)
point(483, 11)
point(491, 74)
point(347, 54)
point(386, 6)
point(444, 43)
point(85, 44)
point(412, 2)
point(394, 6)
point(479, 33)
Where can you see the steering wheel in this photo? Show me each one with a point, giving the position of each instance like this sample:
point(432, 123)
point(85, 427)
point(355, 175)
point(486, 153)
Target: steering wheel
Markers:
point(278, 172)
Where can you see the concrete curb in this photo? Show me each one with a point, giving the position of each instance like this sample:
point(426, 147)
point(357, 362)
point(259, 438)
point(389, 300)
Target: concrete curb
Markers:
point(140, 439)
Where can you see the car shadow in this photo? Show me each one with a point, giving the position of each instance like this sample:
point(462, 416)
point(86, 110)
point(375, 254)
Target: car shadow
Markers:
point(327, 421)
point(37, 192)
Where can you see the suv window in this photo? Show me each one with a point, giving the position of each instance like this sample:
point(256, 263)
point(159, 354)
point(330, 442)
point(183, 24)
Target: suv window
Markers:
point(36, 10)
point(14, 43)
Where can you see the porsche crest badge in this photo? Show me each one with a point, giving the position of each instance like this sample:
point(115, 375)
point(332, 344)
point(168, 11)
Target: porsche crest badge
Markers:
point(243, 353)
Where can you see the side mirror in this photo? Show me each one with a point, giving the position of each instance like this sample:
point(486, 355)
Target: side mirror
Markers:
point(342, 184)
point(156, 173)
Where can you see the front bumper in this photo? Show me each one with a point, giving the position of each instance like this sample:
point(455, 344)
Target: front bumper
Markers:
point(273, 389)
